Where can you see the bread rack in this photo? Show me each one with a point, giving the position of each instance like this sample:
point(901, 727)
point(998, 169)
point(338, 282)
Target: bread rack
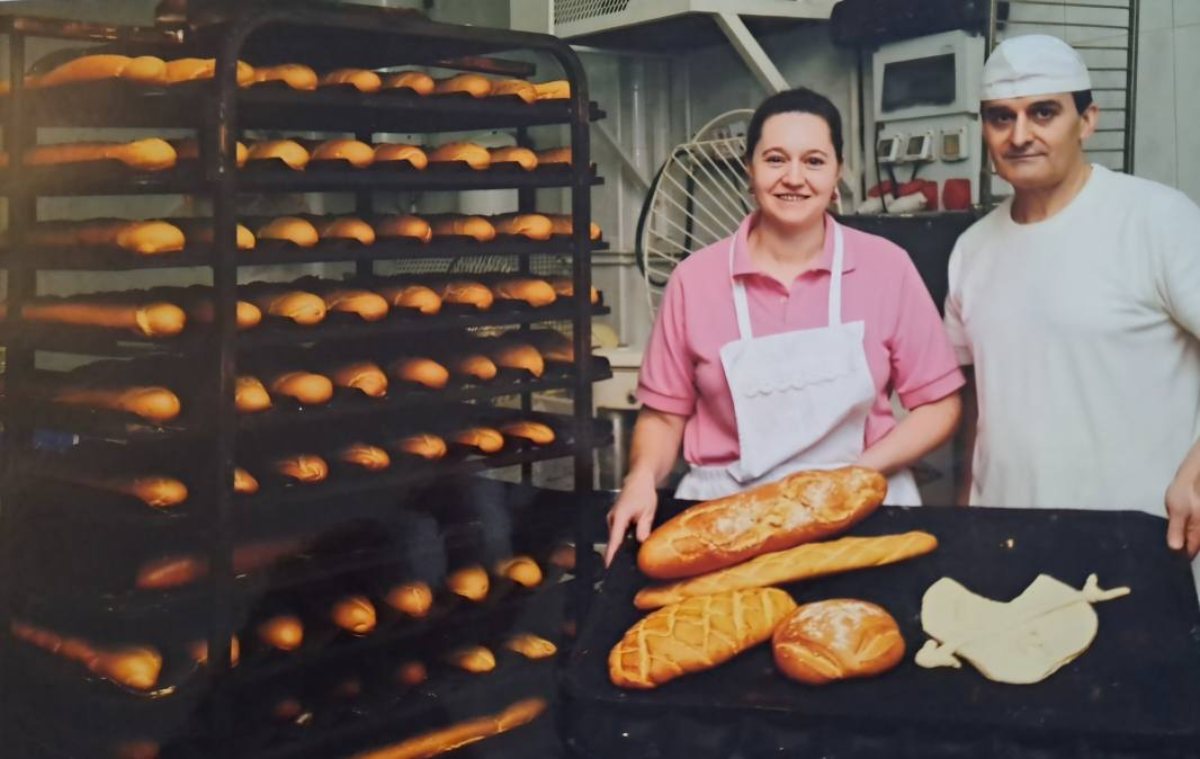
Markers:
point(46, 518)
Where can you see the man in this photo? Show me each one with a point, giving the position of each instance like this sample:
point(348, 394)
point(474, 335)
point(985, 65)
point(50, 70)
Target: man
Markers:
point(1077, 301)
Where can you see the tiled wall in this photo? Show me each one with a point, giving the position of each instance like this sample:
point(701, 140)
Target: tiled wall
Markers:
point(1168, 113)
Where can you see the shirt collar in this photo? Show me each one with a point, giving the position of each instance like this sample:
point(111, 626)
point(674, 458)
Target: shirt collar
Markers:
point(742, 265)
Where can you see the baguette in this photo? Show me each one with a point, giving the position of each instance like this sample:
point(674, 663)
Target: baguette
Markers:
point(151, 154)
point(535, 226)
point(426, 446)
point(515, 88)
point(799, 508)
point(421, 371)
point(409, 227)
point(534, 292)
point(354, 614)
point(362, 80)
point(465, 292)
point(244, 482)
point(292, 153)
point(792, 565)
point(476, 366)
point(413, 599)
point(305, 468)
point(137, 668)
point(523, 157)
point(519, 356)
point(522, 570)
point(474, 85)
point(396, 152)
point(415, 297)
point(535, 432)
point(458, 225)
point(698, 634)
point(145, 69)
point(558, 89)
point(411, 673)
point(484, 439)
point(554, 156)
point(250, 395)
point(565, 225)
point(154, 404)
point(368, 306)
point(564, 287)
point(284, 632)
point(301, 307)
point(145, 319)
point(474, 659)
point(364, 376)
point(173, 571)
point(417, 81)
point(358, 154)
point(191, 69)
point(440, 741)
point(142, 237)
point(369, 457)
point(346, 228)
point(531, 646)
point(304, 387)
point(294, 75)
point(189, 150)
point(291, 229)
point(469, 582)
point(475, 156)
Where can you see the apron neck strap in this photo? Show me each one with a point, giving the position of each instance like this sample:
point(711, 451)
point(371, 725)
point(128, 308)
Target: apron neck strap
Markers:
point(741, 305)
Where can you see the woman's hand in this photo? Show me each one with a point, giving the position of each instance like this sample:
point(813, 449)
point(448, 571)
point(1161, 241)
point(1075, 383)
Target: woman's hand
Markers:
point(636, 505)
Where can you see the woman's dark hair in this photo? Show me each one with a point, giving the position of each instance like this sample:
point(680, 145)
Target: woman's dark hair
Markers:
point(799, 100)
point(1083, 99)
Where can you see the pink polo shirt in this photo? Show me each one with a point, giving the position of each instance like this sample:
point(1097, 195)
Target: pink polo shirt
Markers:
point(907, 348)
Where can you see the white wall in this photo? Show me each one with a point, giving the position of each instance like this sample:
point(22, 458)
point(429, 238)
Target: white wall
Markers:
point(1168, 142)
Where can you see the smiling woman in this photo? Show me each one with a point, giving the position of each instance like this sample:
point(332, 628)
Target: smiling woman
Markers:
point(778, 349)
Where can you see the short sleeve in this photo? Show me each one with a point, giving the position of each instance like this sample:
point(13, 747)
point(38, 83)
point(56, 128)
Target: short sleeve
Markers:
point(667, 381)
point(955, 330)
point(924, 367)
point(1178, 264)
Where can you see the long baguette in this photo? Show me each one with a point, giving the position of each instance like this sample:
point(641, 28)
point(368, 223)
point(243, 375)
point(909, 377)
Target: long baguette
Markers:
point(146, 319)
point(462, 734)
point(152, 403)
point(136, 668)
point(143, 237)
point(801, 563)
point(800, 508)
point(151, 154)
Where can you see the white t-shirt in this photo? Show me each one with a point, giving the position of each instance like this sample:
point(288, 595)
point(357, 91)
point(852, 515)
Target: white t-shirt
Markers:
point(1083, 332)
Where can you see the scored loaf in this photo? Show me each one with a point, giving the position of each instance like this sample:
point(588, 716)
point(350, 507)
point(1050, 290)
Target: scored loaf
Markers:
point(799, 508)
point(698, 634)
point(800, 563)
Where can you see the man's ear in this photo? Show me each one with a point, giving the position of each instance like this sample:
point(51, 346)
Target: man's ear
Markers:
point(1089, 120)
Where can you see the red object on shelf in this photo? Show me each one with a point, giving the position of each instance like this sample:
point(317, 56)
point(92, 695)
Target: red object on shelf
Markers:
point(956, 194)
point(882, 188)
point(926, 187)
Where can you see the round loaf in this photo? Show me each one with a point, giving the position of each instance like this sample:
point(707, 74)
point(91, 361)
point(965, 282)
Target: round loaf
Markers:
point(250, 395)
point(417, 81)
point(347, 228)
point(474, 85)
point(305, 468)
point(470, 582)
point(291, 229)
point(422, 371)
point(369, 457)
point(244, 482)
point(354, 614)
point(285, 632)
point(362, 80)
point(396, 152)
point(412, 598)
point(404, 226)
point(295, 75)
point(290, 152)
point(474, 659)
point(835, 640)
point(426, 446)
point(364, 376)
point(475, 156)
point(358, 154)
point(305, 387)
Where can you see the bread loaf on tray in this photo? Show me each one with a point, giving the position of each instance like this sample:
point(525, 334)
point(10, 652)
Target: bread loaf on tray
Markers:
point(799, 508)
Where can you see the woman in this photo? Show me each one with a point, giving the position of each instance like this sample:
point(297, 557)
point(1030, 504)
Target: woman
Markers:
point(778, 349)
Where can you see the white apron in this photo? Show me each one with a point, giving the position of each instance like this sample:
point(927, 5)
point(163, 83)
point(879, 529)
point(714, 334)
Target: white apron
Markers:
point(801, 401)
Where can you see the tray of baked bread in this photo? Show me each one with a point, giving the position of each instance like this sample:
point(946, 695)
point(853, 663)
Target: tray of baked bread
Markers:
point(1135, 691)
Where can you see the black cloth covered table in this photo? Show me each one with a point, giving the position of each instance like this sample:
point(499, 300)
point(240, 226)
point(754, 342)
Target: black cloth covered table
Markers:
point(1134, 693)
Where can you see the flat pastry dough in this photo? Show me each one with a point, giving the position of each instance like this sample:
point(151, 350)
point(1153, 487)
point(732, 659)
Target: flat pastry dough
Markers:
point(1022, 641)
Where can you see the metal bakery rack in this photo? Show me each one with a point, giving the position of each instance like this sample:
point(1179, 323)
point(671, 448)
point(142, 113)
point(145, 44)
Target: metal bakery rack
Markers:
point(80, 557)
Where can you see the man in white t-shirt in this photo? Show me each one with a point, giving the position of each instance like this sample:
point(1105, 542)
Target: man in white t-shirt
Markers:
point(1077, 301)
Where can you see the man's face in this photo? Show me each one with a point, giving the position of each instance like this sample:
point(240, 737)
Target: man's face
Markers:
point(1036, 141)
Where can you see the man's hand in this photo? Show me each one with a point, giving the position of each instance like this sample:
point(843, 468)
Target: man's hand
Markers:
point(636, 505)
point(1183, 513)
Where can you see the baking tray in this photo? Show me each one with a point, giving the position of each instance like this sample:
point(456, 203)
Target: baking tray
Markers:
point(1135, 692)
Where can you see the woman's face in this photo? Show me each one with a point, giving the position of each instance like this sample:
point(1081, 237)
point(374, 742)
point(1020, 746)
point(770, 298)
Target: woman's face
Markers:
point(794, 170)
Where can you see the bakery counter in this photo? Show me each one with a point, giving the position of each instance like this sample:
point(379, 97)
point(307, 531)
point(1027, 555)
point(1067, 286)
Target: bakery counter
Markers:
point(1134, 692)
point(120, 103)
point(111, 177)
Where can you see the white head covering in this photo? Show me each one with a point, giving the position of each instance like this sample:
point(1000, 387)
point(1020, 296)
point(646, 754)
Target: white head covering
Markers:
point(1034, 64)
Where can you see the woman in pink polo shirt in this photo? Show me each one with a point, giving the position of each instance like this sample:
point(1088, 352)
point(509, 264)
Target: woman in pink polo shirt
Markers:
point(778, 349)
